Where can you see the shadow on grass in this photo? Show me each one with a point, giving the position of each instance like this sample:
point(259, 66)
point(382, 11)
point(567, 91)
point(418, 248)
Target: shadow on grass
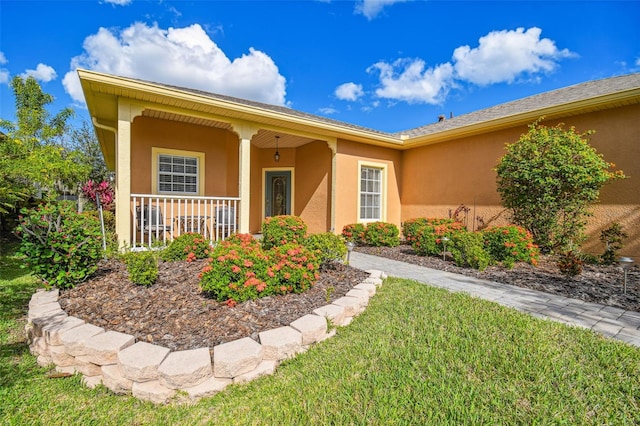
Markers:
point(10, 356)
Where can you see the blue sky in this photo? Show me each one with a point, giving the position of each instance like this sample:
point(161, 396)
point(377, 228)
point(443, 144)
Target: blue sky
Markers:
point(388, 65)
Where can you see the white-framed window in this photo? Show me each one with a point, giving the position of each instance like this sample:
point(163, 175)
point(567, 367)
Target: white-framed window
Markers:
point(178, 172)
point(371, 190)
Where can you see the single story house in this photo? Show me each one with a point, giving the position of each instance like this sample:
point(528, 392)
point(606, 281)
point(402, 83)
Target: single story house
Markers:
point(188, 160)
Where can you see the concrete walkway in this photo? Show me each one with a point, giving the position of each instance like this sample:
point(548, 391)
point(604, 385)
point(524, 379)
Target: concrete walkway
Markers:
point(609, 321)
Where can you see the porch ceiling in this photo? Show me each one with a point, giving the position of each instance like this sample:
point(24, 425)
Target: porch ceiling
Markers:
point(263, 139)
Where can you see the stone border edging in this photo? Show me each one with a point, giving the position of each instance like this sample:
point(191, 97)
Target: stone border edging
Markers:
point(154, 373)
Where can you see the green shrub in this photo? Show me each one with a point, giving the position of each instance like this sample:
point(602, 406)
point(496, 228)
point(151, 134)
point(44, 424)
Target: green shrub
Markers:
point(327, 247)
point(355, 233)
point(410, 227)
point(467, 249)
point(510, 244)
point(59, 245)
point(547, 179)
point(142, 266)
point(378, 234)
point(237, 270)
point(280, 230)
point(612, 238)
point(428, 241)
point(189, 246)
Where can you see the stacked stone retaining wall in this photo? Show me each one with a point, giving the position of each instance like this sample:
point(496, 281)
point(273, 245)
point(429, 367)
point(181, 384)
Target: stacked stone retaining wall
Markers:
point(155, 373)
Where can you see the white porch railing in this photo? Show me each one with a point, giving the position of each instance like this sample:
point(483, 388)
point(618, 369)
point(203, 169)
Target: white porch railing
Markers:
point(161, 218)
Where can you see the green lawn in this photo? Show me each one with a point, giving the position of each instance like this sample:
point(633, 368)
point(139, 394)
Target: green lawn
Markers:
point(417, 355)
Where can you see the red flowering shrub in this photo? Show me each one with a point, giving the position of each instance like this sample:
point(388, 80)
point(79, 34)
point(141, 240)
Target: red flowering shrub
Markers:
point(382, 234)
point(294, 268)
point(237, 270)
point(428, 240)
point(355, 233)
point(280, 230)
point(241, 269)
point(92, 189)
point(189, 247)
point(410, 227)
point(510, 244)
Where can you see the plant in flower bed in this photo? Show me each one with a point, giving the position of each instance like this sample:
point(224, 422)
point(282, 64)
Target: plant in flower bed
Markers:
point(237, 270)
point(382, 234)
point(410, 227)
point(354, 233)
point(59, 245)
point(279, 230)
point(428, 239)
point(467, 249)
point(293, 269)
point(327, 247)
point(189, 247)
point(142, 266)
point(241, 269)
point(510, 244)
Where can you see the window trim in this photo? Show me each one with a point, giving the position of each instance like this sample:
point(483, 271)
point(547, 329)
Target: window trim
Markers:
point(155, 169)
point(383, 190)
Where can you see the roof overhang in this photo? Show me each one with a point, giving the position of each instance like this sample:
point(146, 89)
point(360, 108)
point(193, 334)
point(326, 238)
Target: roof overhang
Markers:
point(103, 91)
point(584, 106)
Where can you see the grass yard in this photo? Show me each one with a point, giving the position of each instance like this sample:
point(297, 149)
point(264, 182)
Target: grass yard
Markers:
point(417, 355)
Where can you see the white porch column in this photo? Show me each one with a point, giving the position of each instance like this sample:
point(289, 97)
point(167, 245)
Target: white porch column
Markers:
point(126, 114)
point(245, 133)
point(333, 146)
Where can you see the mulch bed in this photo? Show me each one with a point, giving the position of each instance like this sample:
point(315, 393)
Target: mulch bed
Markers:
point(597, 283)
point(174, 313)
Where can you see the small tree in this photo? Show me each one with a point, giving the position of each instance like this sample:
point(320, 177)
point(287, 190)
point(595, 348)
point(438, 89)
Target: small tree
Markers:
point(547, 179)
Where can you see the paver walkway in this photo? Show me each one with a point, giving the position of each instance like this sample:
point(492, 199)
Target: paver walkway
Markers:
point(607, 320)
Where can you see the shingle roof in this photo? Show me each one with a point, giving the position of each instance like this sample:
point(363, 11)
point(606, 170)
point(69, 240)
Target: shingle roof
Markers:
point(271, 107)
point(566, 95)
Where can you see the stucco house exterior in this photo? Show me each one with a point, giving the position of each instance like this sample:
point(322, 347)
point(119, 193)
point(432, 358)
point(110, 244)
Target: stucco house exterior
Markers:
point(190, 160)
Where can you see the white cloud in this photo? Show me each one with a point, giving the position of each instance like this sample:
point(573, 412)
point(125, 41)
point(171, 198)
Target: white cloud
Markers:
point(503, 56)
point(409, 81)
point(638, 62)
point(119, 2)
point(371, 8)
point(178, 56)
point(43, 73)
point(349, 91)
point(328, 110)
point(4, 73)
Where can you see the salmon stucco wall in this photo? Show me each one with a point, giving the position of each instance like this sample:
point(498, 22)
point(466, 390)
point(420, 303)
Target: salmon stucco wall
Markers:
point(263, 159)
point(348, 156)
point(219, 147)
point(313, 186)
point(437, 179)
point(311, 165)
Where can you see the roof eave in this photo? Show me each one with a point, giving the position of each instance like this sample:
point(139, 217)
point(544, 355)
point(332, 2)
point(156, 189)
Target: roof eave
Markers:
point(549, 113)
point(256, 114)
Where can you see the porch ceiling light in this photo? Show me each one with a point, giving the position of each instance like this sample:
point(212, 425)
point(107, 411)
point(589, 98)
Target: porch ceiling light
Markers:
point(276, 156)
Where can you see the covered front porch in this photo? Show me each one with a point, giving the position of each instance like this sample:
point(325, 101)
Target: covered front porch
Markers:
point(176, 174)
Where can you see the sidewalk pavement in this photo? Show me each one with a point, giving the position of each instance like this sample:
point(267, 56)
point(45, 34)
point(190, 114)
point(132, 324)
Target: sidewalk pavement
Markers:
point(607, 320)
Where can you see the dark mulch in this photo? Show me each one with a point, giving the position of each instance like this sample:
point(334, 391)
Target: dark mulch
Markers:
point(174, 313)
point(597, 283)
